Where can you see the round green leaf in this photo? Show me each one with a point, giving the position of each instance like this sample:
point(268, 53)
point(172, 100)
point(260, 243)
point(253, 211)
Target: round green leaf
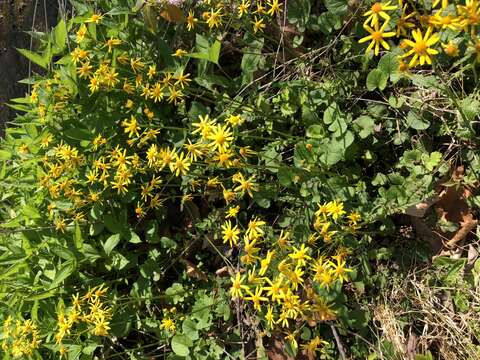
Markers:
point(180, 345)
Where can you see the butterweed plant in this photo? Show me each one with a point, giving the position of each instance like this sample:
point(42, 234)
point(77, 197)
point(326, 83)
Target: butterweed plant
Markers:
point(211, 179)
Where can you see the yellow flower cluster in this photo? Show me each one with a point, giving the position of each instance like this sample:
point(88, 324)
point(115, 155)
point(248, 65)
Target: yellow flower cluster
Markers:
point(420, 46)
point(20, 338)
point(280, 284)
point(90, 310)
point(135, 160)
point(213, 13)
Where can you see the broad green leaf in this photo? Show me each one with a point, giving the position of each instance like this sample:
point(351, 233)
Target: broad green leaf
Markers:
point(337, 7)
point(60, 33)
point(34, 57)
point(5, 155)
point(376, 79)
point(181, 344)
point(189, 328)
point(66, 269)
point(111, 243)
point(366, 124)
point(389, 64)
point(416, 121)
point(214, 52)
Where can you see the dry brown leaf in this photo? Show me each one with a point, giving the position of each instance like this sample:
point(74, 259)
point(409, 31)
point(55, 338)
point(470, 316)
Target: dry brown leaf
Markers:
point(193, 271)
point(172, 13)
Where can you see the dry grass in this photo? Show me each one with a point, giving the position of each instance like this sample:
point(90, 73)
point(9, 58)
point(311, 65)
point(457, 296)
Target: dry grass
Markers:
point(416, 317)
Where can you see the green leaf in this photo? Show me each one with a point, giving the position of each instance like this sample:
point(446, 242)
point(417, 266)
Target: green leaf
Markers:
point(180, 345)
point(78, 134)
point(34, 57)
point(284, 175)
point(189, 328)
point(5, 155)
point(78, 239)
point(206, 52)
point(252, 58)
point(389, 64)
point(376, 79)
point(66, 269)
point(331, 113)
point(60, 34)
point(337, 7)
point(111, 243)
point(432, 160)
point(214, 52)
point(416, 121)
point(366, 124)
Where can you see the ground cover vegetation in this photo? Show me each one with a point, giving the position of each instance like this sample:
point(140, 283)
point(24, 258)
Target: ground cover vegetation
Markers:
point(245, 179)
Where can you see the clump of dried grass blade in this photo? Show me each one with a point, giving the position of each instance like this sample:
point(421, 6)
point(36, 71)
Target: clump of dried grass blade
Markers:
point(416, 317)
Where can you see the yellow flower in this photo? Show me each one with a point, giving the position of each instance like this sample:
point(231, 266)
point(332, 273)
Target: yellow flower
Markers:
point(232, 212)
point(112, 42)
point(269, 317)
point(168, 324)
point(180, 165)
point(131, 127)
point(275, 7)
point(175, 95)
point(275, 290)
point(335, 209)
point(230, 234)
point(155, 93)
point(377, 37)
point(180, 53)
point(378, 10)
point(235, 120)
point(152, 71)
point(445, 22)
point(258, 25)
point(195, 150)
point(182, 79)
point(82, 31)
point(214, 18)
point(220, 137)
point(265, 262)
point(300, 255)
point(421, 47)
point(245, 185)
point(204, 126)
point(256, 297)
point(243, 8)
point(94, 84)
point(85, 70)
point(339, 270)
point(60, 225)
point(254, 229)
point(451, 49)
point(313, 345)
point(191, 20)
point(95, 18)
point(403, 24)
point(238, 286)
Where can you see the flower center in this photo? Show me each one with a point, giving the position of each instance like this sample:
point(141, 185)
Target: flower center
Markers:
point(377, 35)
point(420, 47)
point(377, 7)
point(447, 20)
point(451, 49)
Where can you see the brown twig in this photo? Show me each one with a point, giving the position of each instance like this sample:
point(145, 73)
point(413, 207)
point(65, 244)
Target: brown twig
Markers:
point(462, 232)
point(339, 342)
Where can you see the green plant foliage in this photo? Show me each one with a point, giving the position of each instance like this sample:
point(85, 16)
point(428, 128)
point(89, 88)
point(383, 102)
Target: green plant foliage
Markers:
point(201, 180)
